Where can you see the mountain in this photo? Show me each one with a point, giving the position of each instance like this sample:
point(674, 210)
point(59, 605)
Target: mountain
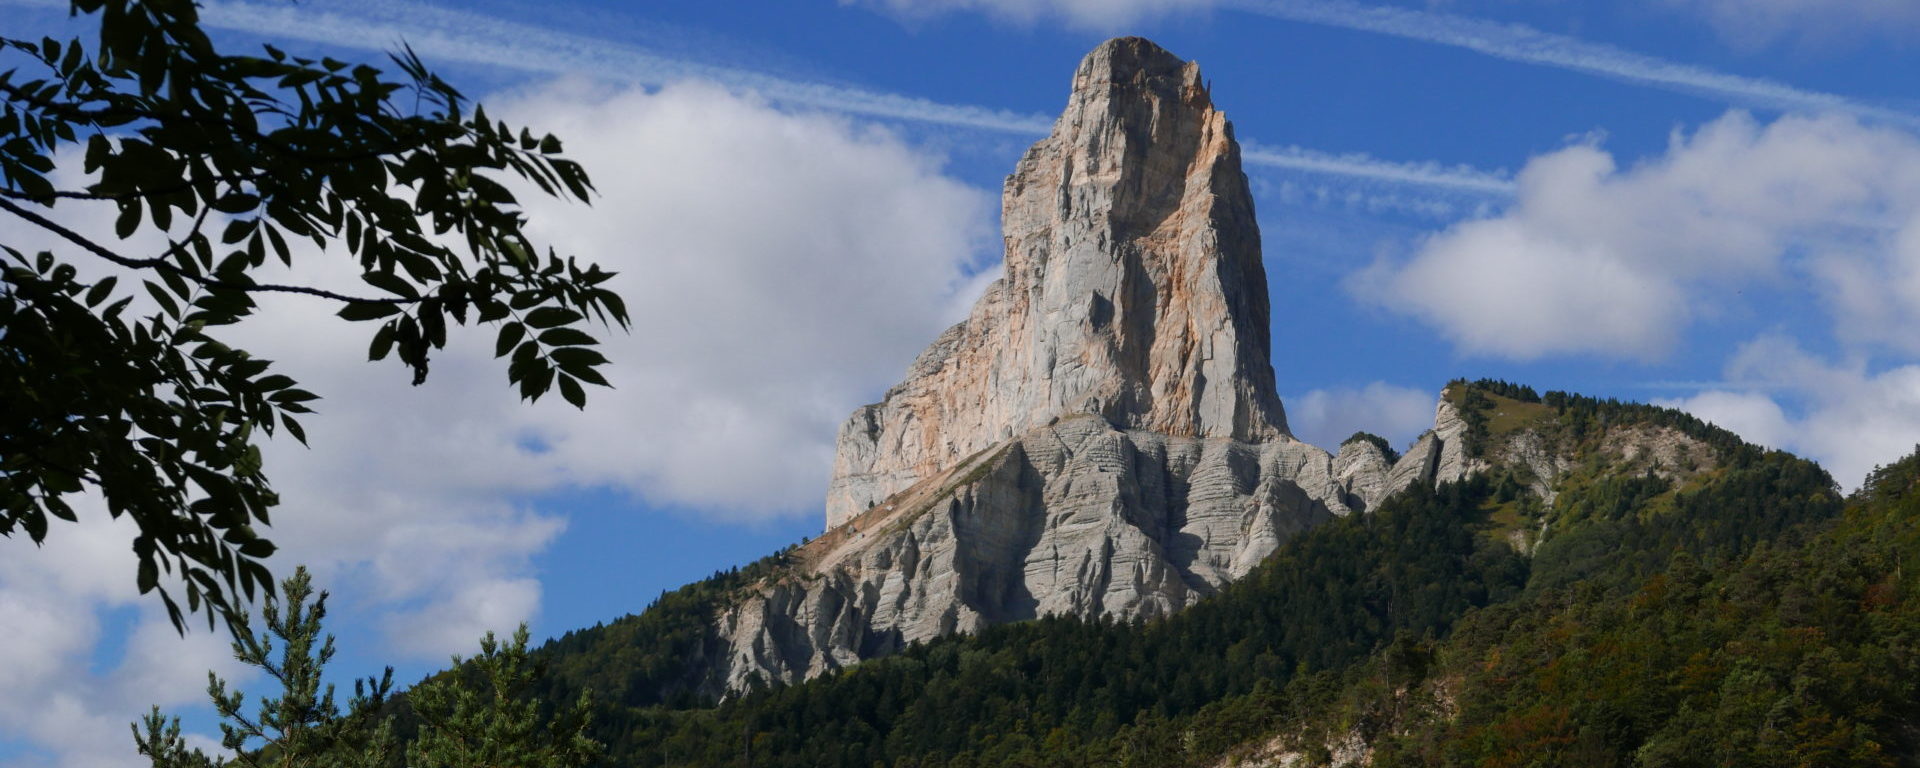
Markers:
point(1134, 290)
point(1100, 437)
point(1307, 658)
point(1079, 532)
point(1798, 652)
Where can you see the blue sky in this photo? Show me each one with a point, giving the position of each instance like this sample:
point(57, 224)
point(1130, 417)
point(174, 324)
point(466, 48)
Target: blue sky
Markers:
point(1713, 204)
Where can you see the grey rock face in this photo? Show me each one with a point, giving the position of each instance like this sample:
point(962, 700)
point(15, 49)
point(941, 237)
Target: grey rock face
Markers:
point(1133, 290)
point(1101, 437)
point(1079, 517)
point(1361, 469)
point(1439, 456)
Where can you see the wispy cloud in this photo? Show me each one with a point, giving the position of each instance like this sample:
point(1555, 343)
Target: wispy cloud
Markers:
point(1518, 42)
point(1458, 179)
point(446, 35)
point(459, 36)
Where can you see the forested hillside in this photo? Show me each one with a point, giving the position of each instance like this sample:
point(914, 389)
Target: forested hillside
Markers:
point(1803, 652)
point(1448, 625)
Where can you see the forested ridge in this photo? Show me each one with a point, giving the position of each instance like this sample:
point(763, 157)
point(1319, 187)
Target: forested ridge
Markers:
point(1804, 651)
point(1338, 634)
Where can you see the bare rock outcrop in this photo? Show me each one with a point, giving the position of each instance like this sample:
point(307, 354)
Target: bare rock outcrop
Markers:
point(1439, 456)
point(1133, 290)
point(1075, 518)
point(1361, 468)
point(1101, 436)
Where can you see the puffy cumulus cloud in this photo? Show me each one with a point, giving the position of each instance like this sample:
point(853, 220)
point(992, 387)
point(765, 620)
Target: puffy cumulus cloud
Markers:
point(1753, 416)
point(1596, 258)
point(1757, 23)
point(1849, 418)
point(1101, 15)
point(781, 268)
point(1324, 417)
point(472, 610)
point(56, 691)
point(1875, 292)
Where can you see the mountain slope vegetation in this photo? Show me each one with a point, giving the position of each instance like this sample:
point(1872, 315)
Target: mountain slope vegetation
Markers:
point(1556, 597)
point(1802, 651)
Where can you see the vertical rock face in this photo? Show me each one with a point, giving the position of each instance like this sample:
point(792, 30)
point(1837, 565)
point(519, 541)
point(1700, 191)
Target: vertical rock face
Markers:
point(1134, 290)
point(1101, 437)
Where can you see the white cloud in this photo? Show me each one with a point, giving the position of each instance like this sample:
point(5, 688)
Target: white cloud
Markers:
point(474, 609)
point(1753, 416)
point(1593, 258)
point(1102, 15)
point(781, 268)
point(1875, 292)
point(1324, 417)
point(51, 605)
point(1852, 418)
point(1757, 23)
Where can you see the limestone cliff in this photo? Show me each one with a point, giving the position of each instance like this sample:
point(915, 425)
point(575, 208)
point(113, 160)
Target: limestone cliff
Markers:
point(1101, 436)
point(1133, 290)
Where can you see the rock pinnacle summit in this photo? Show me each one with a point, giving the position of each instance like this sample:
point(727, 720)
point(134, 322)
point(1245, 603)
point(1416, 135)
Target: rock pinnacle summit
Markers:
point(1133, 291)
point(1100, 436)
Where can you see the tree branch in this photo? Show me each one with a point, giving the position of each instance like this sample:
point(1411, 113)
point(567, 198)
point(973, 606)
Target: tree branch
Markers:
point(140, 193)
point(160, 263)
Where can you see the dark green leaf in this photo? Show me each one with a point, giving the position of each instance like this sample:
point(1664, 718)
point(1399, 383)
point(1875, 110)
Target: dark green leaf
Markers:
point(293, 427)
point(510, 335)
point(548, 317)
point(257, 548)
point(128, 222)
point(577, 356)
point(275, 382)
point(161, 297)
point(382, 343)
point(367, 310)
point(100, 291)
point(236, 202)
point(148, 576)
point(566, 337)
point(571, 390)
point(391, 283)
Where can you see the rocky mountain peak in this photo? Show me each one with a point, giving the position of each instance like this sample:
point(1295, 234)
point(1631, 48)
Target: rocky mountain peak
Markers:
point(1133, 291)
point(1101, 436)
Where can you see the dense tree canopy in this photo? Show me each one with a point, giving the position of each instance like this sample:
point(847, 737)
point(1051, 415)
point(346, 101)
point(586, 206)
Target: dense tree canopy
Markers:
point(239, 160)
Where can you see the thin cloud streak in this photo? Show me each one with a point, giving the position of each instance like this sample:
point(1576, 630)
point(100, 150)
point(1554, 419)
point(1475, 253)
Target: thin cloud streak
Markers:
point(470, 38)
point(1462, 179)
point(1518, 42)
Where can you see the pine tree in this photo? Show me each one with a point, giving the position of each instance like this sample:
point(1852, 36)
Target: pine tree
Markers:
point(304, 725)
point(479, 715)
point(496, 724)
